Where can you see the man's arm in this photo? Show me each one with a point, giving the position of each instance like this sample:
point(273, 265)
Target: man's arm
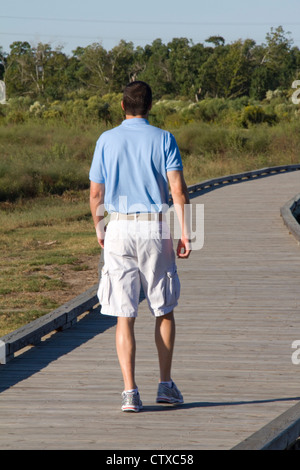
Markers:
point(97, 192)
point(182, 206)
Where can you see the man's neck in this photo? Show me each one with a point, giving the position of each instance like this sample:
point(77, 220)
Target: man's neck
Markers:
point(128, 116)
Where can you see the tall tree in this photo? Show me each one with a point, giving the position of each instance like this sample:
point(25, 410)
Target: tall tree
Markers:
point(216, 40)
point(158, 72)
point(226, 73)
point(94, 68)
point(19, 69)
point(57, 78)
point(179, 63)
point(121, 59)
point(275, 68)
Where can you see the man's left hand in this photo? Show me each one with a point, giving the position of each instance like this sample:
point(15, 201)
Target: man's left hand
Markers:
point(183, 248)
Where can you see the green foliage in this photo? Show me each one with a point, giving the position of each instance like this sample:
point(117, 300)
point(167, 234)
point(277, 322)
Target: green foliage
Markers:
point(46, 147)
point(44, 157)
point(178, 68)
point(257, 115)
point(221, 102)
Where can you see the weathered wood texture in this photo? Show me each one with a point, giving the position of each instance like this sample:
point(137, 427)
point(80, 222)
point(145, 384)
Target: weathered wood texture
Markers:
point(238, 315)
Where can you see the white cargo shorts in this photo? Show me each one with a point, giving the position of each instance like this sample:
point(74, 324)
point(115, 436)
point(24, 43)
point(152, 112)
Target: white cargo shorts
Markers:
point(138, 253)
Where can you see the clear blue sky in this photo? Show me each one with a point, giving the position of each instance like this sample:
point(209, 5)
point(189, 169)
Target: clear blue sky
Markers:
point(72, 23)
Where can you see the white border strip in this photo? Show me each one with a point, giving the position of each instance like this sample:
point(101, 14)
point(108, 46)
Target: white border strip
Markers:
point(2, 352)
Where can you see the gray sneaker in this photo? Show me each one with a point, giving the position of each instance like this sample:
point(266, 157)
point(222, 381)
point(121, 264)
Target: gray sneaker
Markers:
point(166, 394)
point(131, 401)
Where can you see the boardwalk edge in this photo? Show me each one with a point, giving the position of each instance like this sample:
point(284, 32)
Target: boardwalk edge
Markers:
point(289, 212)
point(279, 434)
point(61, 318)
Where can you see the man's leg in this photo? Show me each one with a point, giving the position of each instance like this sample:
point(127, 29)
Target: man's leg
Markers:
point(164, 339)
point(125, 343)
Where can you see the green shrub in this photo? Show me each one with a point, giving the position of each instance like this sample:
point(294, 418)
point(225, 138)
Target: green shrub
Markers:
point(202, 138)
point(209, 110)
point(47, 148)
point(259, 139)
point(253, 114)
point(16, 117)
point(44, 157)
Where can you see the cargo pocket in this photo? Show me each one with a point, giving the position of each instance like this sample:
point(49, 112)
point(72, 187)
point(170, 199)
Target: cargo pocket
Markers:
point(104, 287)
point(172, 287)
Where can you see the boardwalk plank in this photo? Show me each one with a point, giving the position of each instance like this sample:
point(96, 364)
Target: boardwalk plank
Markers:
point(237, 318)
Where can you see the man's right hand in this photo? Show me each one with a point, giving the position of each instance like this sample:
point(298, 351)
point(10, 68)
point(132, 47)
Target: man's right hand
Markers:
point(101, 242)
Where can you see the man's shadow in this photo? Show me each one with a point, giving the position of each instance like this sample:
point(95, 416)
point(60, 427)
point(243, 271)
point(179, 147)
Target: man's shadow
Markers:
point(208, 404)
point(32, 361)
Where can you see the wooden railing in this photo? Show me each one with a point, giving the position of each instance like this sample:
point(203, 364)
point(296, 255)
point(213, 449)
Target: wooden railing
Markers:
point(59, 319)
point(290, 213)
point(65, 316)
point(239, 177)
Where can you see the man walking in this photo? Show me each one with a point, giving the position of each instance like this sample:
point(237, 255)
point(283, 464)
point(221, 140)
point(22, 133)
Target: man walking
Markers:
point(132, 168)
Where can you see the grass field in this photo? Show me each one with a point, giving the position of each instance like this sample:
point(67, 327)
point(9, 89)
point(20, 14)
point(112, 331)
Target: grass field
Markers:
point(49, 252)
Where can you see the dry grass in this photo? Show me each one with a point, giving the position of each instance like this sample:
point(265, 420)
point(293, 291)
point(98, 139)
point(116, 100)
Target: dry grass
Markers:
point(49, 254)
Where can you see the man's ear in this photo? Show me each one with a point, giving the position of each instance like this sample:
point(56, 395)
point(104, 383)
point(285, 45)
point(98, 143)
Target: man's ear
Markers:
point(122, 105)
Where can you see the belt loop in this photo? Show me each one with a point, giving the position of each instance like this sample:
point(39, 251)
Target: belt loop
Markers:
point(117, 215)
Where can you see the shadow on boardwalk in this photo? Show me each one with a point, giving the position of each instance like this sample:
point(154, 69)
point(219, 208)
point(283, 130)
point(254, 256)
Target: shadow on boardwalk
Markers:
point(208, 404)
point(37, 358)
point(93, 324)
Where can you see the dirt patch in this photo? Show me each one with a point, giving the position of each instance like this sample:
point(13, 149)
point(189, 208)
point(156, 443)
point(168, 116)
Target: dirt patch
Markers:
point(78, 280)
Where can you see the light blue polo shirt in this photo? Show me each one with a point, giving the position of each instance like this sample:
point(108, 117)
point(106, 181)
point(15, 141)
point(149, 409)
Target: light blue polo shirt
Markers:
point(132, 160)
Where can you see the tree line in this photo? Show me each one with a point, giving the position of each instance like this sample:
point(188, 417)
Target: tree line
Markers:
point(179, 68)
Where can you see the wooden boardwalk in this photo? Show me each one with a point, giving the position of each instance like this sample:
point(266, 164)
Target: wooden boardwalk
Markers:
point(238, 316)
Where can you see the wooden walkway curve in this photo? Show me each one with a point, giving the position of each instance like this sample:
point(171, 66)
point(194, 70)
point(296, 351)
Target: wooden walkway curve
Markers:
point(238, 316)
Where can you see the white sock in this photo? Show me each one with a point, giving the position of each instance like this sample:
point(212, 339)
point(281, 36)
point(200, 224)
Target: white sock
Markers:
point(135, 390)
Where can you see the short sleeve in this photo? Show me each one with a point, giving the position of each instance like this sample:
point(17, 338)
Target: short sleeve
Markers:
point(97, 167)
point(173, 157)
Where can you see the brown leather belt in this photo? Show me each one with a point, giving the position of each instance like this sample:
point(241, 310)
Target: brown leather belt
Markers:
point(141, 216)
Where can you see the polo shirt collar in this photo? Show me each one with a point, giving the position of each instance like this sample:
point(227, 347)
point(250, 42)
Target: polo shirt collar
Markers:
point(134, 121)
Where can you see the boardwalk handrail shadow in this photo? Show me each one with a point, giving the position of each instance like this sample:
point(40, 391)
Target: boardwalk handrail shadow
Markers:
point(53, 347)
point(63, 317)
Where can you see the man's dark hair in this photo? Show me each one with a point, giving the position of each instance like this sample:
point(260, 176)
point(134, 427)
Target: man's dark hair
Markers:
point(137, 98)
